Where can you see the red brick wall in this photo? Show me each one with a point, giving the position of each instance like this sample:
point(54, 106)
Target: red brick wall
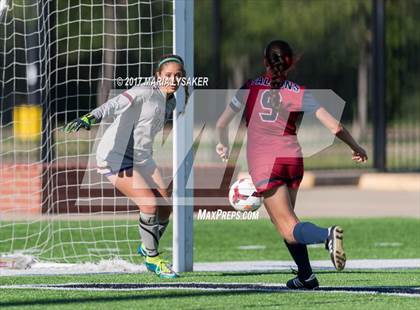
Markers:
point(55, 189)
point(20, 187)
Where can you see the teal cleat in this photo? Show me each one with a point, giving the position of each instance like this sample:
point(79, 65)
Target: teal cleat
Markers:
point(157, 264)
point(160, 267)
point(141, 250)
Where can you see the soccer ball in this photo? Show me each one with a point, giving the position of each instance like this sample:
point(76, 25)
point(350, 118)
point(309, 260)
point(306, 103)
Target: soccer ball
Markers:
point(243, 196)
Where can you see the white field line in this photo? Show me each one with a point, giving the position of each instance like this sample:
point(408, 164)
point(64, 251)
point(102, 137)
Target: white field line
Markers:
point(106, 250)
point(316, 264)
point(251, 247)
point(388, 244)
point(206, 286)
point(121, 266)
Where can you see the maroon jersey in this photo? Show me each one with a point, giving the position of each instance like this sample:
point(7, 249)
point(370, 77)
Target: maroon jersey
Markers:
point(272, 125)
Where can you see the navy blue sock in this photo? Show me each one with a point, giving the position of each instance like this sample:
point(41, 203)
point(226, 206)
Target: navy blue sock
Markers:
point(308, 233)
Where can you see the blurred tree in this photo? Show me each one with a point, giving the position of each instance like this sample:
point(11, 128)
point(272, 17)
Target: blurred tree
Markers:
point(402, 37)
point(330, 37)
point(333, 38)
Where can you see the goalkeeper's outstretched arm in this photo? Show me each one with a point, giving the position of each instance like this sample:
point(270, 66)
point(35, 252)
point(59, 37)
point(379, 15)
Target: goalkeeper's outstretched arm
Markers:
point(114, 106)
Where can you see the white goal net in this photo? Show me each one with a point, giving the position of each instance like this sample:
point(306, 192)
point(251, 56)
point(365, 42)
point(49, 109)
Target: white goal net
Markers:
point(59, 60)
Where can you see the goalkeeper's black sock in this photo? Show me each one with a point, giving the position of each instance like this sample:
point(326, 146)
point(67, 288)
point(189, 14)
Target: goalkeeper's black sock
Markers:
point(149, 233)
point(300, 255)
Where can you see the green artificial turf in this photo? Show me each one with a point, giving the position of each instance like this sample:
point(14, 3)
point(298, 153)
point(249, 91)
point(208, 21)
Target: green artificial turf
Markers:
point(73, 241)
point(214, 241)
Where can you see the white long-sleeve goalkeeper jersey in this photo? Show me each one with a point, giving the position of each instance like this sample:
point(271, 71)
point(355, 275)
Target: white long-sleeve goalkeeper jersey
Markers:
point(139, 114)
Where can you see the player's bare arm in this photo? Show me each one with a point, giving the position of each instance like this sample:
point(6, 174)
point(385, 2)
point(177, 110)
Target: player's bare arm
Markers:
point(337, 129)
point(222, 148)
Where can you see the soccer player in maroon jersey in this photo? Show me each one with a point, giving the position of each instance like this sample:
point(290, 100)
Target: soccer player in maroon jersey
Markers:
point(273, 107)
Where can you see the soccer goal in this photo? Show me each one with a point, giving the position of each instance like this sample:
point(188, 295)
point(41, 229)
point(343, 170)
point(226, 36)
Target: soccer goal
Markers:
point(59, 60)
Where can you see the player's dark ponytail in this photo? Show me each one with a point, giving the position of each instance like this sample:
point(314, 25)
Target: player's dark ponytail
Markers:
point(172, 57)
point(279, 56)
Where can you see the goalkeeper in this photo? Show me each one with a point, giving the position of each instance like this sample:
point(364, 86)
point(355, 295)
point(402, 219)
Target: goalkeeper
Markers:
point(124, 153)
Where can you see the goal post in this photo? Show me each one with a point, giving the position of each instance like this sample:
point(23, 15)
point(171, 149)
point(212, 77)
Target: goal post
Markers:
point(183, 43)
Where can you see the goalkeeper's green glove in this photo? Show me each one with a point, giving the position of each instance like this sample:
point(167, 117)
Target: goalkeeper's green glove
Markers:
point(86, 121)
